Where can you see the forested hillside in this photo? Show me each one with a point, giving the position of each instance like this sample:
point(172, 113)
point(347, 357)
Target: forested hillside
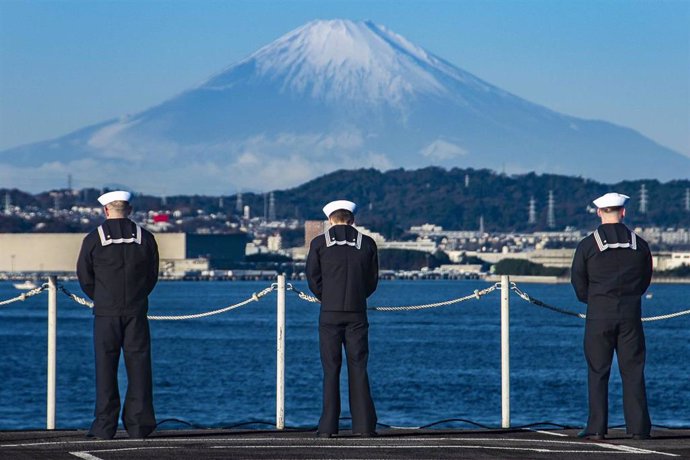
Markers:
point(390, 202)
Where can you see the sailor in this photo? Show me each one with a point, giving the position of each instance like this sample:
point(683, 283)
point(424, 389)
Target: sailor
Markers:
point(611, 270)
point(342, 271)
point(118, 269)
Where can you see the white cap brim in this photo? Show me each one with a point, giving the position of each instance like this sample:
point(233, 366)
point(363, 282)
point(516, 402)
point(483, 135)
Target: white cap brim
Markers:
point(333, 206)
point(118, 195)
point(611, 200)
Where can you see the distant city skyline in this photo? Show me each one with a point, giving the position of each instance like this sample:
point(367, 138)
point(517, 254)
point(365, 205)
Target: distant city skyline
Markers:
point(65, 65)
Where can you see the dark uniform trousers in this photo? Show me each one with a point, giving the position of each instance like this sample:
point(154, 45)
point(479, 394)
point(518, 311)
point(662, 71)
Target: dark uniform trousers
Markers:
point(131, 334)
point(626, 337)
point(350, 329)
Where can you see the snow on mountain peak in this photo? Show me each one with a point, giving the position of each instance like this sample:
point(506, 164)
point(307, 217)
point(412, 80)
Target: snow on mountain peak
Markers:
point(337, 60)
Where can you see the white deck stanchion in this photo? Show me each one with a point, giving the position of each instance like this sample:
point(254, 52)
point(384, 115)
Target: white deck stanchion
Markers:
point(280, 358)
point(505, 352)
point(52, 351)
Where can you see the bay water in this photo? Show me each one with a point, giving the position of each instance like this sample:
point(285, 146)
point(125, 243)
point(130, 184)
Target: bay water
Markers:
point(425, 366)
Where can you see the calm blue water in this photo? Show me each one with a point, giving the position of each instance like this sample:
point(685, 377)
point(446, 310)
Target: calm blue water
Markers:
point(425, 366)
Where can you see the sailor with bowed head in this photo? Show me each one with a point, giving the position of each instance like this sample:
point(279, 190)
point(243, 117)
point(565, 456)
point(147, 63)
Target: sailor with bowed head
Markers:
point(612, 269)
point(118, 268)
point(342, 271)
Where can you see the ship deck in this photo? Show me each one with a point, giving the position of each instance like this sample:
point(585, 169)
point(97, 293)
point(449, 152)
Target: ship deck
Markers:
point(389, 444)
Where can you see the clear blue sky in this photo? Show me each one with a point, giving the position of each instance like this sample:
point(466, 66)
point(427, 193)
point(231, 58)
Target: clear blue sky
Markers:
point(67, 64)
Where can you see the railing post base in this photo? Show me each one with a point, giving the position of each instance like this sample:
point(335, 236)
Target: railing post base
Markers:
point(52, 351)
point(280, 355)
point(505, 352)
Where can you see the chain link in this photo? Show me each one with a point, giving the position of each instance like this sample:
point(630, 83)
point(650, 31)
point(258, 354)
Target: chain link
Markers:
point(76, 298)
point(302, 295)
point(539, 303)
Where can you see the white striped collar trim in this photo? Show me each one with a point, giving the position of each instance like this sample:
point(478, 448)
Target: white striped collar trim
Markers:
point(603, 247)
point(108, 241)
point(332, 241)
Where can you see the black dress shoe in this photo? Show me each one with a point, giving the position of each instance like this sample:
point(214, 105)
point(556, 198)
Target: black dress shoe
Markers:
point(593, 436)
point(641, 437)
point(90, 435)
point(324, 435)
point(368, 434)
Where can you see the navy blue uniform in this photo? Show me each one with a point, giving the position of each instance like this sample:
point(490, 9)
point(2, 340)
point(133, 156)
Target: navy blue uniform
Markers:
point(342, 271)
point(611, 270)
point(118, 269)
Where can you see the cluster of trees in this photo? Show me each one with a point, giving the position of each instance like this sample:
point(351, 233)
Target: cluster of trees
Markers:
point(679, 272)
point(525, 267)
point(403, 259)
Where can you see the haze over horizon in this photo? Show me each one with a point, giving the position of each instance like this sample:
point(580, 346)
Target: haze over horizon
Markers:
point(552, 84)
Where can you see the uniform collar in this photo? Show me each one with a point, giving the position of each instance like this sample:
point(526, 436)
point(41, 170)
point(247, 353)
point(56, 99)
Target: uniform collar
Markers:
point(613, 236)
point(342, 235)
point(116, 231)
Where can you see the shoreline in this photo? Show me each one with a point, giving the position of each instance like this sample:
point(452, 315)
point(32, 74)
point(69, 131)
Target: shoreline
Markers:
point(536, 279)
point(561, 280)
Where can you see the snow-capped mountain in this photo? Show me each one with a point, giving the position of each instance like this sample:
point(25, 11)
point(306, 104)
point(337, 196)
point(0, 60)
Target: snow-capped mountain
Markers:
point(338, 94)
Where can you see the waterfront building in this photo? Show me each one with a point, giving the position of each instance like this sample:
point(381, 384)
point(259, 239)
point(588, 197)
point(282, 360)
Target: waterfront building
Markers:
point(421, 244)
point(57, 252)
point(312, 229)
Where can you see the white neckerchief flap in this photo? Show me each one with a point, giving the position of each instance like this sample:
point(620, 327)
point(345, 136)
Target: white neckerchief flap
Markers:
point(331, 241)
point(107, 240)
point(603, 246)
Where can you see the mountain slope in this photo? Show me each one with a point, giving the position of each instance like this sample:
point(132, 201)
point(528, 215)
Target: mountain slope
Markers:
point(332, 95)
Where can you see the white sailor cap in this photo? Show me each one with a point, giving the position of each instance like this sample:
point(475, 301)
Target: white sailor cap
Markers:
point(117, 195)
point(611, 200)
point(333, 206)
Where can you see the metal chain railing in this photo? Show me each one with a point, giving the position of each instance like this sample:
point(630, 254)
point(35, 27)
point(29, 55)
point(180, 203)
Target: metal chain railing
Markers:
point(308, 298)
point(254, 298)
point(539, 303)
point(76, 298)
point(301, 295)
point(25, 295)
point(475, 295)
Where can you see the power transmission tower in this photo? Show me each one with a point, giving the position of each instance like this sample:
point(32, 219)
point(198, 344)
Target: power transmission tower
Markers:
point(272, 207)
point(8, 203)
point(265, 206)
point(239, 206)
point(551, 216)
point(643, 199)
point(532, 219)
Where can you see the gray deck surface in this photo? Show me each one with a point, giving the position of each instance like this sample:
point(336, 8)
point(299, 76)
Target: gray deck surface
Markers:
point(417, 444)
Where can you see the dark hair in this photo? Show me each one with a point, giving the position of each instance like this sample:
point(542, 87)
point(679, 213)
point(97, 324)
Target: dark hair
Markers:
point(342, 216)
point(610, 209)
point(119, 207)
